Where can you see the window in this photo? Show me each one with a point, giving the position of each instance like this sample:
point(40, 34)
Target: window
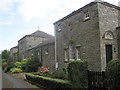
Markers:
point(86, 15)
point(77, 53)
point(32, 54)
point(66, 54)
point(46, 52)
point(71, 53)
point(38, 53)
point(59, 29)
point(56, 65)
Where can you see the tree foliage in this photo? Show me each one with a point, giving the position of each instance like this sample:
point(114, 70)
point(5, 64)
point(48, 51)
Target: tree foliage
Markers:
point(5, 54)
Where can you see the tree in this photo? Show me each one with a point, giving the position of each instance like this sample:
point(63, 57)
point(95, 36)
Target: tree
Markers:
point(33, 63)
point(5, 54)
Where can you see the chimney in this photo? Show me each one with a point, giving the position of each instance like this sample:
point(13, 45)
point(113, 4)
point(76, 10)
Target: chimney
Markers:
point(97, 1)
point(119, 4)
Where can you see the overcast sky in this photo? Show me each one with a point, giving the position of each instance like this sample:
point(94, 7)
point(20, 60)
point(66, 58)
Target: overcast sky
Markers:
point(21, 17)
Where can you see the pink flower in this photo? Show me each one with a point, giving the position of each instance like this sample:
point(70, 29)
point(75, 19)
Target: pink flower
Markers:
point(41, 74)
point(42, 67)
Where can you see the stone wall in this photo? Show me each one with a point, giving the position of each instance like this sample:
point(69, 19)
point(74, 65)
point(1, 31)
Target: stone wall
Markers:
point(108, 21)
point(118, 40)
point(14, 53)
point(48, 56)
point(27, 43)
point(80, 32)
point(45, 54)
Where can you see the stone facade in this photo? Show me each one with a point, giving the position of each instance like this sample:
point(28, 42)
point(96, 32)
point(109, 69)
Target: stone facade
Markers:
point(30, 41)
point(88, 34)
point(45, 53)
point(14, 53)
point(108, 21)
point(118, 40)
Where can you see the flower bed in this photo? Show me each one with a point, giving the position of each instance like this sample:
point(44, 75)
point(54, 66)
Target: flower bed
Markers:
point(48, 82)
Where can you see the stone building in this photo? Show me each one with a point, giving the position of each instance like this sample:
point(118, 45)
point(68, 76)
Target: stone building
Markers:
point(14, 53)
point(88, 33)
point(30, 41)
point(45, 53)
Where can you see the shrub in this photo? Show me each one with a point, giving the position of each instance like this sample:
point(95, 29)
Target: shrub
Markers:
point(8, 66)
point(42, 71)
point(32, 65)
point(77, 73)
point(24, 63)
point(113, 72)
point(18, 64)
point(4, 65)
point(15, 70)
point(59, 75)
point(48, 82)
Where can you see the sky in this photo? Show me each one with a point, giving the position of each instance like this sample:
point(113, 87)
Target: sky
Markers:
point(22, 17)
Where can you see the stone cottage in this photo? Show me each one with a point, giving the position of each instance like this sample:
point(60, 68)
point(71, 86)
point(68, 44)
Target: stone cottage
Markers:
point(14, 53)
point(88, 33)
point(45, 53)
point(30, 41)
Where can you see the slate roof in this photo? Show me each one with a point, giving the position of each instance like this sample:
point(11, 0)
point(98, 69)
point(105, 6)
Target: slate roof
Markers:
point(90, 4)
point(44, 43)
point(50, 41)
point(38, 34)
point(14, 47)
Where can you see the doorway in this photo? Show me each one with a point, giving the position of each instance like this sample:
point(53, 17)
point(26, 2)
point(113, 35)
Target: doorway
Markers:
point(109, 53)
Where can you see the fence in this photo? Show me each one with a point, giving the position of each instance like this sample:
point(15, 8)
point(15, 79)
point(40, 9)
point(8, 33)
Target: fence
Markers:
point(99, 81)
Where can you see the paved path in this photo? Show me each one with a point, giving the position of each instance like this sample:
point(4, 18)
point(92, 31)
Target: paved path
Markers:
point(10, 82)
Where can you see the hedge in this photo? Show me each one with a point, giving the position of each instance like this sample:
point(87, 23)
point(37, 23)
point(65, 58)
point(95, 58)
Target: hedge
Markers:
point(48, 82)
point(113, 73)
point(77, 73)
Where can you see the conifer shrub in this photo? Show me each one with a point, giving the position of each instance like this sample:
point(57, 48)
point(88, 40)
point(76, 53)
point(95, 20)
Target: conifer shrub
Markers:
point(77, 73)
point(113, 73)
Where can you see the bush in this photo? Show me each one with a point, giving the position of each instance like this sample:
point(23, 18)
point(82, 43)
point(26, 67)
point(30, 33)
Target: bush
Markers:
point(113, 72)
point(18, 64)
point(77, 73)
point(15, 70)
point(32, 65)
point(24, 63)
point(4, 65)
point(8, 67)
point(42, 71)
point(48, 82)
point(59, 75)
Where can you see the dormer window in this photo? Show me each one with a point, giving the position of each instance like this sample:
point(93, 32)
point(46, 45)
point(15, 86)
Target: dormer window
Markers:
point(86, 15)
point(59, 29)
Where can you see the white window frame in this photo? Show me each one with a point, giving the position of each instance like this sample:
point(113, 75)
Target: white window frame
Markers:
point(86, 15)
point(70, 53)
point(78, 53)
point(46, 52)
point(38, 53)
point(66, 55)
